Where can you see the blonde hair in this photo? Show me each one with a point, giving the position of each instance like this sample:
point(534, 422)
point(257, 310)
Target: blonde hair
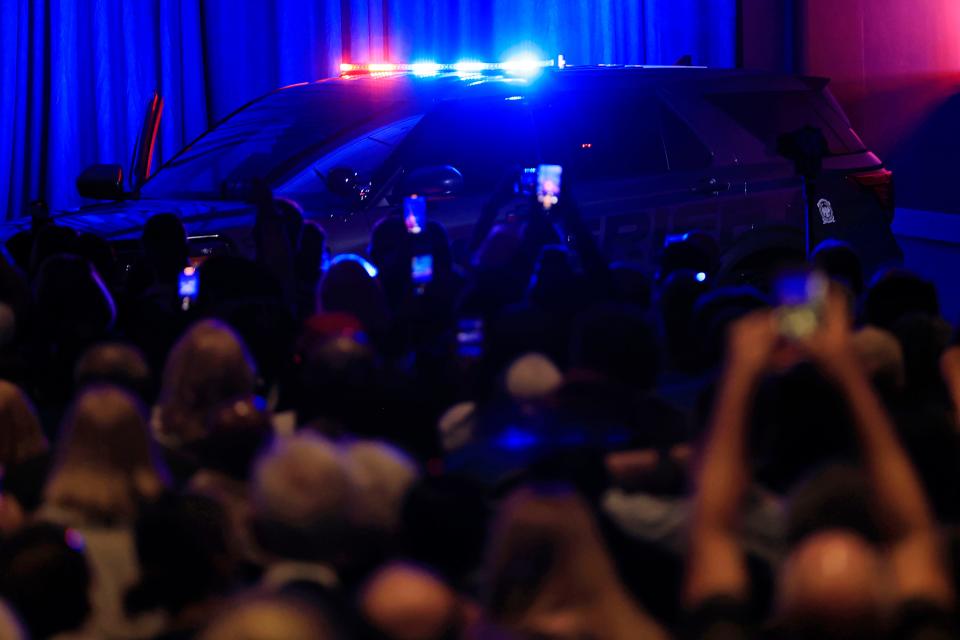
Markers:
point(549, 572)
point(21, 437)
point(263, 616)
point(105, 462)
point(208, 366)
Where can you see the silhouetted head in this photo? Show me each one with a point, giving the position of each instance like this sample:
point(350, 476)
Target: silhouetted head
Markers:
point(924, 338)
point(896, 293)
point(313, 247)
point(20, 247)
point(164, 243)
point(631, 284)
point(801, 422)
point(444, 525)
point(338, 375)
point(237, 431)
point(841, 263)
point(617, 342)
point(387, 241)
point(498, 249)
point(50, 241)
point(679, 295)
point(881, 357)
point(115, 363)
point(438, 243)
point(553, 281)
point(695, 251)
point(183, 552)
point(73, 304)
point(44, 576)
point(349, 287)
point(715, 311)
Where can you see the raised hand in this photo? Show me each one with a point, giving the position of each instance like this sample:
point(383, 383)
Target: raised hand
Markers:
point(752, 342)
point(831, 346)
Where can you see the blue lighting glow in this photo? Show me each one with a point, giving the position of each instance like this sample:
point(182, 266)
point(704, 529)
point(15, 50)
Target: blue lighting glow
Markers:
point(526, 65)
point(701, 276)
point(352, 257)
point(515, 439)
point(426, 69)
point(468, 66)
point(74, 540)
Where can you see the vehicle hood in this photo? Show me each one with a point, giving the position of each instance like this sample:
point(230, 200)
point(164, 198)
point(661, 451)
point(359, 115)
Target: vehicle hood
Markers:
point(125, 220)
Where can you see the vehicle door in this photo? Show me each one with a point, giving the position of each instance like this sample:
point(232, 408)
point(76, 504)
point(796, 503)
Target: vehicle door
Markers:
point(486, 139)
point(639, 171)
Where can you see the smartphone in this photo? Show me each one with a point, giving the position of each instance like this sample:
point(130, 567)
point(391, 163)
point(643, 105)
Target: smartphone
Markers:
point(470, 337)
point(421, 269)
point(801, 298)
point(526, 184)
point(189, 287)
point(548, 184)
point(415, 213)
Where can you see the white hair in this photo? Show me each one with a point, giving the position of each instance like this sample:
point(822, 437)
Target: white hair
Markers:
point(533, 377)
point(382, 475)
point(302, 482)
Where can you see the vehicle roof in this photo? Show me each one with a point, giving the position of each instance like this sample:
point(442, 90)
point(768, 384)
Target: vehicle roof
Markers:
point(451, 85)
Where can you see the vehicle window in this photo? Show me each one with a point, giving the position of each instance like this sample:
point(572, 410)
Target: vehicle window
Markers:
point(769, 114)
point(483, 139)
point(363, 154)
point(602, 137)
point(272, 136)
point(685, 150)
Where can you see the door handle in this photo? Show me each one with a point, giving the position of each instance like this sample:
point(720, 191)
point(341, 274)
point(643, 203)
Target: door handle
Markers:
point(711, 187)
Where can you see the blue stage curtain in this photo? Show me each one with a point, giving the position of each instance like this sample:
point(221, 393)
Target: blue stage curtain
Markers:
point(76, 75)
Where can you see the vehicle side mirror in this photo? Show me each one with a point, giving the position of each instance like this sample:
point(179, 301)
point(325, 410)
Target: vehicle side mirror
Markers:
point(102, 182)
point(442, 180)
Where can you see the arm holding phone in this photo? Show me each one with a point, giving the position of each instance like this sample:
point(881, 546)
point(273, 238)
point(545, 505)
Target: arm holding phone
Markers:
point(912, 546)
point(717, 565)
point(900, 504)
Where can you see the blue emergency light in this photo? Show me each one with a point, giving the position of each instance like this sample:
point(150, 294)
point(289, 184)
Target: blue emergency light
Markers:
point(518, 66)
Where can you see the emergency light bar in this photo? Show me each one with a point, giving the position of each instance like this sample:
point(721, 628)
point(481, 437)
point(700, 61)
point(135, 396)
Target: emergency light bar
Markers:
point(516, 66)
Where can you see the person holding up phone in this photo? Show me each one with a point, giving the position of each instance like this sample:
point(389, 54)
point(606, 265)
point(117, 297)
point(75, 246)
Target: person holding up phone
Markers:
point(421, 262)
point(834, 582)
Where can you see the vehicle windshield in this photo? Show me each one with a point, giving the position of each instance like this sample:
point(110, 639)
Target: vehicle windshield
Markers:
point(274, 137)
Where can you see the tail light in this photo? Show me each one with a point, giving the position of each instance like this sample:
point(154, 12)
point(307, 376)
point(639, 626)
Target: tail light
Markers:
point(880, 182)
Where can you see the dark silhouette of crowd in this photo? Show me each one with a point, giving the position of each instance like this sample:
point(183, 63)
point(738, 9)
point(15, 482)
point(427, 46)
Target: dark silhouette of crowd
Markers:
point(536, 443)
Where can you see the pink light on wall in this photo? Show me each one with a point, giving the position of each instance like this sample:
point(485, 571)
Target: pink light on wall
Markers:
point(907, 49)
point(893, 63)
